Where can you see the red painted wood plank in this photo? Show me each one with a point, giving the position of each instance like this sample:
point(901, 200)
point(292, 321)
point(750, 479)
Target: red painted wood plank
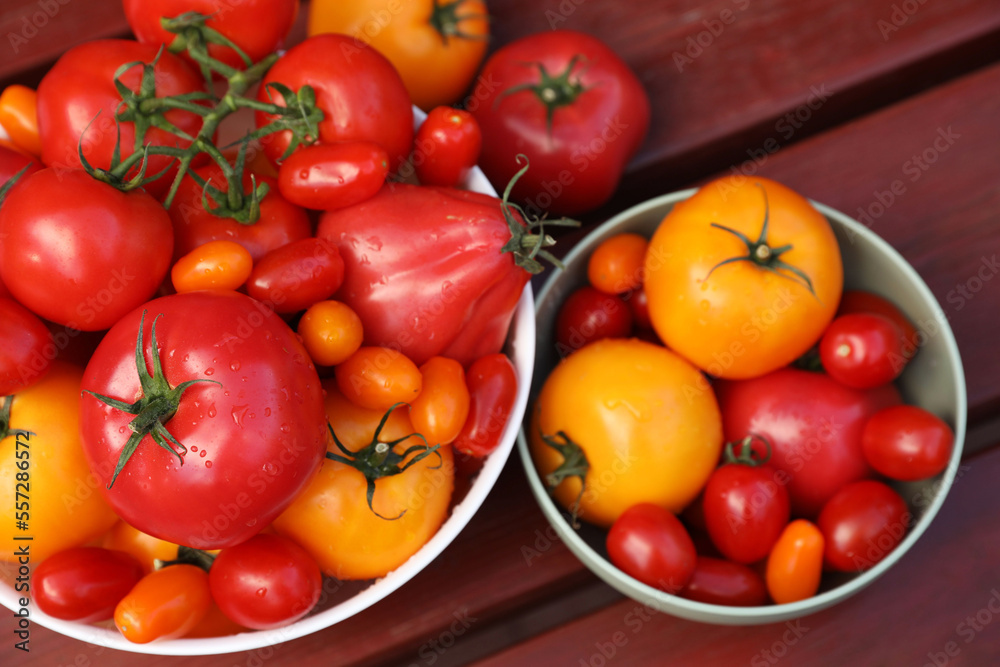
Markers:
point(941, 602)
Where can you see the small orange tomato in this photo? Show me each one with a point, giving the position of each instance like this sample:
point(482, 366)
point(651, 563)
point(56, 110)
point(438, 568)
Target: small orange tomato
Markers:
point(213, 265)
point(331, 332)
point(144, 548)
point(440, 411)
point(165, 604)
point(616, 265)
point(377, 378)
point(18, 116)
point(795, 565)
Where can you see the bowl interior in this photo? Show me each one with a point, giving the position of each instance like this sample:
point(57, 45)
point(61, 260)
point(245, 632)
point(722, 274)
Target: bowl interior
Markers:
point(933, 380)
point(340, 600)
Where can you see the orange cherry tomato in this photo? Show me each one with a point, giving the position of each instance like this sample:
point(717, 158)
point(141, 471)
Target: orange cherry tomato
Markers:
point(379, 377)
point(440, 411)
point(616, 265)
point(795, 565)
point(165, 604)
point(213, 265)
point(144, 548)
point(331, 332)
point(19, 117)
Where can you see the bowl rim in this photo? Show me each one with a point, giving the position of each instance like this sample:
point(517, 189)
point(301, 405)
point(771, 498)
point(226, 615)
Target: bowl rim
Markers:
point(721, 614)
point(522, 336)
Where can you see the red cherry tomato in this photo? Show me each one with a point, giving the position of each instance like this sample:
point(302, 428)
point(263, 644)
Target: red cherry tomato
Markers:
point(718, 581)
point(862, 524)
point(638, 303)
point(328, 176)
point(746, 508)
point(650, 544)
point(266, 582)
point(492, 383)
point(589, 315)
point(858, 301)
point(24, 339)
point(907, 443)
point(84, 584)
point(297, 275)
point(359, 92)
point(813, 423)
point(447, 146)
point(862, 350)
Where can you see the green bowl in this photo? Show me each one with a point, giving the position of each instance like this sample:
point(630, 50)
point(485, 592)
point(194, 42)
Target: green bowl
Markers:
point(934, 380)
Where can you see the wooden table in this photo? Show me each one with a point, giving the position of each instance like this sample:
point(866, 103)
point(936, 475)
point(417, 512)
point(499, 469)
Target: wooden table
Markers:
point(836, 98)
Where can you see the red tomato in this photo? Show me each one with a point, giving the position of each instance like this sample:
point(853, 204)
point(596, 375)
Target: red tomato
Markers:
point(266, 582)
point(84, 584)
point(358, 90)
point(298, 275)
point(717, 581)
point(862, 524)
point(12, 161)
point(862, 350)
point(907, 443)
point(258, 27)
point(280, 221)
point(745, 508)
point(650, 544)
point(425, 272)
point(112, 254)
point(572, 106)
point(638, 303)
point(244, 439)
point(442, 408)
point(492, 383)
point(589, 315)
point(26, 347)
point(328, 176)
point(81, 85)
point(813, 424)
point(447, 146)
point(858, 301)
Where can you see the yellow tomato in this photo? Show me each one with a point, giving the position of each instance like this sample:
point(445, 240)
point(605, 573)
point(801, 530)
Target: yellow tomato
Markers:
point(646, 420)
point(144, 548)
point(743, 277)
point(436, 45)
point(331, 518)
point(44, 477)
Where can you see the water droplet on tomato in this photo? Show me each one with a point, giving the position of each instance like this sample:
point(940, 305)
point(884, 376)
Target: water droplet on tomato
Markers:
point(304, 174)
point(239, 413)
point(267, 412)
point(208, 464)
point(234, 365)
point(193, 448)
point(285, 428)
point(261, 592)
point(211, 410)
point(203, 453)
point(704, 286)
point(186, 357)
point(209, 371)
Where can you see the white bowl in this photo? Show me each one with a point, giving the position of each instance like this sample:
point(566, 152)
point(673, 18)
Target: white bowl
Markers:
point(934, 380)
point(339, 600)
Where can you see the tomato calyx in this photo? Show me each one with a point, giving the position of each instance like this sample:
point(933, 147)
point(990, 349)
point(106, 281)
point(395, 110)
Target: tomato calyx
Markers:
point(763, 255)
point(5, 430)
point(187, 556)
point(575, 464)
point(234, 203)
point(553, 91)
point(447, 21)
point(380, 459)
point(523, 244)
point(743, 453)
point(194, 36)
point(157, 405)
point(12, 181)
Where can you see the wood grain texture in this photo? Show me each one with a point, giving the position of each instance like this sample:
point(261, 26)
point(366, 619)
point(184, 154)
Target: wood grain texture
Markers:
point(920, 609)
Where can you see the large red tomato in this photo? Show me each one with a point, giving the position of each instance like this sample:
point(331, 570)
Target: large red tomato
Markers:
point(77, 102)
point(814, 425)
point(79, 252)
point(243, 22)
point(569, 103)
point(227, 453)
point(358, 90)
